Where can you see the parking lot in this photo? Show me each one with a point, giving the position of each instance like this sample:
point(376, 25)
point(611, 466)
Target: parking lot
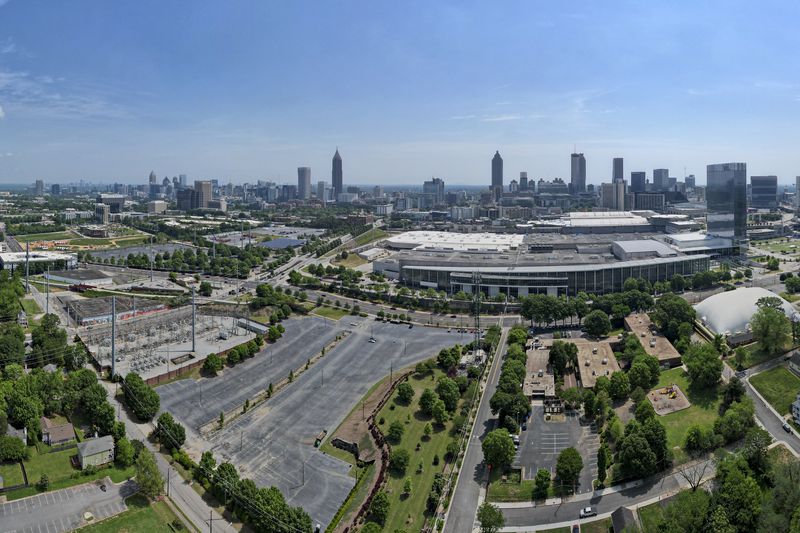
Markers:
point(274, 443)
point(543, 441)
point(196, 402)
point(62, 510)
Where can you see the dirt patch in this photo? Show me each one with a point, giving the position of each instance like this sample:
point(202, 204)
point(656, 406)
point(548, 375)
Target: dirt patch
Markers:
point(355, 427)
point(626, 411)
point(668, 400)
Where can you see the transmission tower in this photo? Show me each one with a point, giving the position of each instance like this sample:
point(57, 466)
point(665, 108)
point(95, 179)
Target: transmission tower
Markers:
point(476, 308)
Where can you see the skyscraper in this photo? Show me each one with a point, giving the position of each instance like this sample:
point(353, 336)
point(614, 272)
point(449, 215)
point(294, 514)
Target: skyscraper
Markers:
point(39, 188)
point(153, 178)
point(434, 188)
point(578, 173)
point(726, 199)
point(617, 171)
point(764, 193)
point(660, 179)
point(638, 182)
point(497, 174)
point(304, 183)
point(204, 192)
point(321, 196)
point(336, 175)
point(689, 181)
point(523, 181)
point(619, 194)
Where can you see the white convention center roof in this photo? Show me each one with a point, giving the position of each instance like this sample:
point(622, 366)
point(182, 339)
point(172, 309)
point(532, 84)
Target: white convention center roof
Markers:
point(446, 240)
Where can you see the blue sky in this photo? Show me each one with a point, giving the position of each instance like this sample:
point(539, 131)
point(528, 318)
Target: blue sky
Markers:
point(246, 90)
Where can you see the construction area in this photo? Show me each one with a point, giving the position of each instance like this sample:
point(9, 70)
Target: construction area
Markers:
point(157, 344)
point(655, 344)
point(595, 359)
point(91, 311)
point(668, 400)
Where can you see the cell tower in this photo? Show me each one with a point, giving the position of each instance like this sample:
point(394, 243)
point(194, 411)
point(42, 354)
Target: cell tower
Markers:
point(476, 308)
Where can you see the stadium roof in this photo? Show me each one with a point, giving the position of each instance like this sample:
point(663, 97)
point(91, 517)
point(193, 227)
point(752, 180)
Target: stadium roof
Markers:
point(731, 311)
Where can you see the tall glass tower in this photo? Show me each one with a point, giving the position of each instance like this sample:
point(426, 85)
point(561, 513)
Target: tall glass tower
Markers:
point(726, 199)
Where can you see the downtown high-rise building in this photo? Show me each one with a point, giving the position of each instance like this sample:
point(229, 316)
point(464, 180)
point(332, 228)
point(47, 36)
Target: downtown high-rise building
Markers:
point(660, 179)
point(204, 191)
point(38, 188)
point(726, 200)
point(764, 192)
point(497, 174)
point(322, 195)
point(690, 181)
point(523, 181)
point(304, 183)
point(617, 171)
point(638, 182)
point(797, 192)
point(153, 178)
point(435, 189)
point(577, 179)
point(336, 175)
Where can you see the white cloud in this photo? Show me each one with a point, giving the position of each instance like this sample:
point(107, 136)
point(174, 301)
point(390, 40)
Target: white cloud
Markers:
point(2, 113)
point(463, 117)
point(501, 118)
point(8, 46)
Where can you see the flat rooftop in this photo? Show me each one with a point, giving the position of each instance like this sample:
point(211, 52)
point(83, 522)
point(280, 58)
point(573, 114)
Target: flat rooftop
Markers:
point(534, 384)
point(595, 358)
point(83, 274)
point(639, 324)
point(455, 241)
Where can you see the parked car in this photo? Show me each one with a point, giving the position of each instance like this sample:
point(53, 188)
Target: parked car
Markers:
point(786, 427)
point(587, 512)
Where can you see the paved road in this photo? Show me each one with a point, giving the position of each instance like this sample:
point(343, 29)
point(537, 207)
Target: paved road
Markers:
point(196, 402)
point(274, 443)
point(472, 477)
point(62, 510)
point(181, 493)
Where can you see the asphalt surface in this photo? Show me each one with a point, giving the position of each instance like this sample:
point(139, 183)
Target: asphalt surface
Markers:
point(62, 510)
point(197, 402)
point(274, 443)
point(543, 441)
point(464, 503)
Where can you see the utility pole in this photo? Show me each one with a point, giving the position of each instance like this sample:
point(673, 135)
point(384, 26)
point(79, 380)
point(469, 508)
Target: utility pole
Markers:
point(194, 319)
point(113, 335)
point(151, 258)
point(47, 293)
point(27, 265)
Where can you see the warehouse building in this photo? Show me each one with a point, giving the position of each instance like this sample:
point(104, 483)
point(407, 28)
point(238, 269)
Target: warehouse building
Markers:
point(38, 261)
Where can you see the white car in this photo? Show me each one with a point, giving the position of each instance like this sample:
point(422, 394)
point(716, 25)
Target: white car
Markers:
point(587, 512)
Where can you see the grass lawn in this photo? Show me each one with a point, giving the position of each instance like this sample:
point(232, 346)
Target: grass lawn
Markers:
point(755, 356)
point(598, 526)
point(371, 235)
point(651, 516)
point(408, 512)
point(140, 516)
point(352, 261)
point(780, 454)
point(703, 411)
point(779, 386)
point(59, 470)
point(54, 236)
point(11, 474)
point(511, 490)
point(334, 313)
point(30, 306)
point(556, 530)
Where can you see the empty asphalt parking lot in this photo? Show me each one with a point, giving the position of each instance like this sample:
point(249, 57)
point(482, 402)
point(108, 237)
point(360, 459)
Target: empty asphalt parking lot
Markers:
point(62, 510)
point(274, 443)
point(196, 402)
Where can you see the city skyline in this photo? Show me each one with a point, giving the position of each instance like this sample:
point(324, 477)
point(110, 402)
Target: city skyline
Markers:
point(179, 103)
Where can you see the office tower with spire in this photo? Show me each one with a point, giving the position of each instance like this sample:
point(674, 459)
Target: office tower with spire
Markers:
point(577, 173)
point(304, 183)
point(153, 177)
point(497, 174)
point(336, 175)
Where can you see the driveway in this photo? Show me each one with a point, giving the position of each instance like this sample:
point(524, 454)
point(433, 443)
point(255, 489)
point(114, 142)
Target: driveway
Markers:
point(62, 510)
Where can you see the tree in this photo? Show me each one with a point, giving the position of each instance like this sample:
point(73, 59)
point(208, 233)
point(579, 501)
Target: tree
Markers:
point(738, 494)
point(703, 365)
point(143, 401)
point(636, 458)
point(755, 448)
point(498, 449)
point(639, 375)
point(407, 486)
point(205, 470)
point(205, 289)
point(405, 393)
point(12, 449)
point(644, 411)
point(718, 522)
point(677, 283)
point(603, 455)
point(733, 391)
point(490, 517)
point(398, 460)
point(771, 328)
point(687, 512)
point(541, 484)
point(427, 431)
point(426, 401)
point(395, 433)
point(439, 412)
point(569, 466)
point(597, 323)
point(124, 454)
point(735, 422)
point(448, 392)
point(169, 431)
point(149, 479)
point(620, 386)
point(379, 508)
point(213, 364)
point(561, 354)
